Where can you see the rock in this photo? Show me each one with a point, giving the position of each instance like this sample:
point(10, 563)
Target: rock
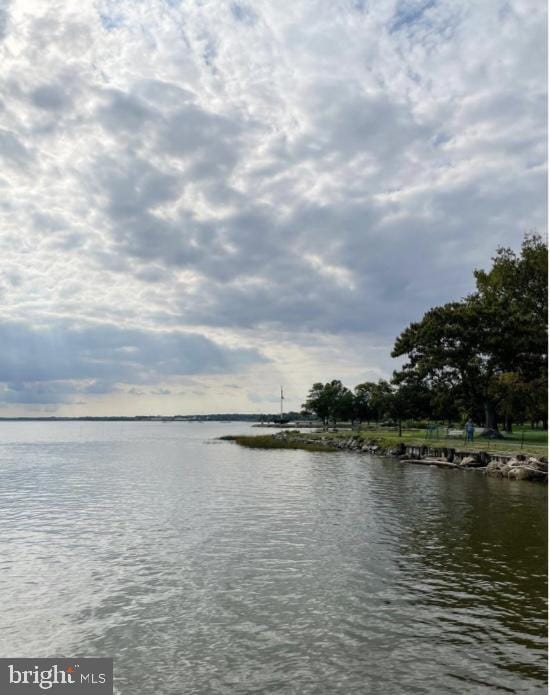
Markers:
point(494, 469)
point(470, 462)
point(432, 463)
point(539, 465)
point(514, 462)
point(526, 473)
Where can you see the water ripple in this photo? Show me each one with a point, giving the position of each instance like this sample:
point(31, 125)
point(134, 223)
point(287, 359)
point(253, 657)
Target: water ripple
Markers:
point(215, 569)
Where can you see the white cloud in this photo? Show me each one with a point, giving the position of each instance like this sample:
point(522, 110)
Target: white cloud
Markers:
point(235, 168)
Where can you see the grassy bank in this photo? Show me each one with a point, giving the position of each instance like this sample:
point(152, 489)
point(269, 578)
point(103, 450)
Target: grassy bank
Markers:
point(268, 441)
point(530, 442)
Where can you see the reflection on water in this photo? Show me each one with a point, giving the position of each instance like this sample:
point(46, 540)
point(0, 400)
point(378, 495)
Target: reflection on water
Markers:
point(206, 568)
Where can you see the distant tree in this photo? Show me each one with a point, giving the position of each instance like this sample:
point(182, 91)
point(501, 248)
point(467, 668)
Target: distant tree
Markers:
point(345, 405)
point(410, 398)
point(317, 402)
point(373, 398)
point(363, 409)
point(330, 401)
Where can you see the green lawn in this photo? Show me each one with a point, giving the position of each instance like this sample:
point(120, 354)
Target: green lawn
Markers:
point(533, 442)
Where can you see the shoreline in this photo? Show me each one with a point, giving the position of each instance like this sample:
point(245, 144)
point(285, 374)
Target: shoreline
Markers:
point(512, 466)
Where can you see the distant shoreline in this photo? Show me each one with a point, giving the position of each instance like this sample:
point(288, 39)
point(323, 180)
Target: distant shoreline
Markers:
point(138, 418)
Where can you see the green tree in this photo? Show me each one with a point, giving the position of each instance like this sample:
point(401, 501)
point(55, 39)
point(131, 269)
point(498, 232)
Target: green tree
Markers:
point(364, 412)
point(380, 394)
point(317, 402)
point(410, 398)
point(330, 401)
point(467, 346)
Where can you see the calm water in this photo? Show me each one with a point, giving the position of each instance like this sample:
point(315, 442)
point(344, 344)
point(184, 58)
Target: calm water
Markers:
point(206, 568)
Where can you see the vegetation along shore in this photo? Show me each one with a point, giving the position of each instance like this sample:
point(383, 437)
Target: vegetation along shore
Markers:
point(500, 464)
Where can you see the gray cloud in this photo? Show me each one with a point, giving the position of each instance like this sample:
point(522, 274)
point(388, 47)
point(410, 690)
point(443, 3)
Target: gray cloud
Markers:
point(12, 149)
point(50, 97)
point(36, 393)
point(244, 13)
point(41, 365)
point(4, 18)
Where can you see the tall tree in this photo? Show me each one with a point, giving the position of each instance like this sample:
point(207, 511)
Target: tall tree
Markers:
point(501, 328)
point(373, 399)
point(330, 401)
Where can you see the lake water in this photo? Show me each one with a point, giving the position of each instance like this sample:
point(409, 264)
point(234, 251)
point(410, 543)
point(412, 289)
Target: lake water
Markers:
point(206, 568)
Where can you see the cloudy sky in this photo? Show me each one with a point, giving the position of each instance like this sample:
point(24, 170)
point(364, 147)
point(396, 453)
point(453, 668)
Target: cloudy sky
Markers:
point(203, 199)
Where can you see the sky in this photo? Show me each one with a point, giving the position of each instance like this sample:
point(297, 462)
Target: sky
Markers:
point(203, 200)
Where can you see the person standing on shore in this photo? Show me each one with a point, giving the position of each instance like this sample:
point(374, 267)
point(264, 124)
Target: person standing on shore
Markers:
point(470, 427)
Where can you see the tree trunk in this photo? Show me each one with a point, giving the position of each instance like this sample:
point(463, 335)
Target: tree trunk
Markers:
point(400, 431)
point(507, 423)
point(491, 417)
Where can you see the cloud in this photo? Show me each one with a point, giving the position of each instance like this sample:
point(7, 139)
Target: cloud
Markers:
point(4, 18)
point(225, 171)
point(50, 97)
point(51, 364)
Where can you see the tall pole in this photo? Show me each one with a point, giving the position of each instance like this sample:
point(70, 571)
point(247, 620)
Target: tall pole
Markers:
point(282, 399)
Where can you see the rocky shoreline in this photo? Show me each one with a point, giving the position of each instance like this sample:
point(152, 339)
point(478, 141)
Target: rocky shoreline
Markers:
point(498, 465)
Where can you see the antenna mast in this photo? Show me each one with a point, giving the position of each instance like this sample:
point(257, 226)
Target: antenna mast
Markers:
point(282, 399)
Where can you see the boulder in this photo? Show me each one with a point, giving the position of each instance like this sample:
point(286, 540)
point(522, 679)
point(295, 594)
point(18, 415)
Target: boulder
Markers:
point(470, 462)
point(494, 469)
point(526, 473)
point(539, 465)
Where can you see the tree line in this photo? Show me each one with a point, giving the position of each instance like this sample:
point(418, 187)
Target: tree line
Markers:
point(483, 357)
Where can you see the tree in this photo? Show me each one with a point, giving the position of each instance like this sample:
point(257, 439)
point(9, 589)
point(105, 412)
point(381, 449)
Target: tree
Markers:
point(330, 401)
point(445, 401)
point(467, 346)
point(363, 409)
point(317, 402)
point(410, 398)
point(373, 398)
point(511, 393)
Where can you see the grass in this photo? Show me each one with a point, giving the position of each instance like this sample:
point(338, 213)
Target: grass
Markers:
point(268, 441)
point(532, 443)
point(535, 442)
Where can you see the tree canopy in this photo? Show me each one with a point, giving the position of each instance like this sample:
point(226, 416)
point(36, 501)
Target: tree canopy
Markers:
point(501, 329)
